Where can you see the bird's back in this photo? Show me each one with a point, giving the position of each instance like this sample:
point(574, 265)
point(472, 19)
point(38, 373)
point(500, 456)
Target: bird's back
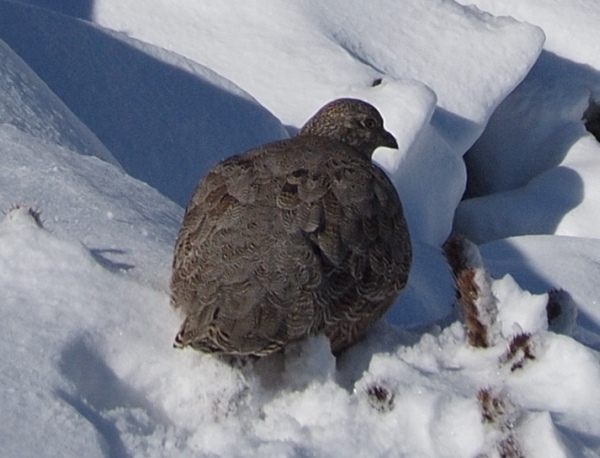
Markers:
point(285, 241)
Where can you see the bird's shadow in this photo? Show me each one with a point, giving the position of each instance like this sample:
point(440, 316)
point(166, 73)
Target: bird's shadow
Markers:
point(101, 256)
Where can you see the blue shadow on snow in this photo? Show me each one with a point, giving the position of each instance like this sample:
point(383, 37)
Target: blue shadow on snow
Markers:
point(164, 125)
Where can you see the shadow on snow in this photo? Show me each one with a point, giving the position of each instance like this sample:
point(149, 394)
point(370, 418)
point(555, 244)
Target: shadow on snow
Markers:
point(165, 126)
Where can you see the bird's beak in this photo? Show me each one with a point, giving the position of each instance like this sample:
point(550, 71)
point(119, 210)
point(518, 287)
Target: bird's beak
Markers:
point(388, 140)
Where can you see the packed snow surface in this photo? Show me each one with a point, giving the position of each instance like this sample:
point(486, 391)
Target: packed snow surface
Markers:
point(111, 111)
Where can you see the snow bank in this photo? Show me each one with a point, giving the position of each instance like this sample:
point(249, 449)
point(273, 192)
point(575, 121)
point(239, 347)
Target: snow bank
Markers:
point(535, 147)
point(571, 28)
point(562, 201)
point(126, 224)
point(313, 52)
point(540, 162)
point(28, 104)
point(106, 381)
point(166, 119)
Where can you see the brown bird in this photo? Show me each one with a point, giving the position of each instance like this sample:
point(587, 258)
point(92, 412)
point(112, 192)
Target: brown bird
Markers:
point(297, 237)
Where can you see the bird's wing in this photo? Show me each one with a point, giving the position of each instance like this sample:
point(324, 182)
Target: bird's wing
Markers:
point(276, 245)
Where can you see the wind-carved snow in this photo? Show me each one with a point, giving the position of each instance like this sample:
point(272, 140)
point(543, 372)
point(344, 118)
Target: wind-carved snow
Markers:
point(165, 118)
point(570, 27)
point(535, 153)
point(126, 224)
point(28, 104)
point(310, 53)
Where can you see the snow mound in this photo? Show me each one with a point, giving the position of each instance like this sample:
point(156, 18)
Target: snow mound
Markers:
point(165, 118)
point(541, 161)
point(68, 292)
point(126, 224)
point(535, 146)
point(356, 45)
point(313, 52)
point(28, 104)
point(571, 28)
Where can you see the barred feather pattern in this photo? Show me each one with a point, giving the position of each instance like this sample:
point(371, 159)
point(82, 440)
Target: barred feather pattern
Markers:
point(298, 237)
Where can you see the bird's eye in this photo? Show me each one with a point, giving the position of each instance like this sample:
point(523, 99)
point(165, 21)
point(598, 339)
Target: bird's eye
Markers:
point(370, 123)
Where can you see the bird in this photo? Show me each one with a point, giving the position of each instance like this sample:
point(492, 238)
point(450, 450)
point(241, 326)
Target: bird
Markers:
point(298, 237)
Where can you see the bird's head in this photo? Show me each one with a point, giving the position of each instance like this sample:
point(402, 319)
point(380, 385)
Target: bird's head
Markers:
point(353, 122)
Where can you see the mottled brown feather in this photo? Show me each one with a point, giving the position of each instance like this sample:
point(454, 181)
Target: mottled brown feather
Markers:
point(297, 237)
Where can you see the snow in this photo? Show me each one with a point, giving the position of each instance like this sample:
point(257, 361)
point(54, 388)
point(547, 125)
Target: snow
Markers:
point(309, 53)
point(535, 153)
point(543, 262)
point(27, 104)
point(111, 111)
point(148, 106)
point(570, 27)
